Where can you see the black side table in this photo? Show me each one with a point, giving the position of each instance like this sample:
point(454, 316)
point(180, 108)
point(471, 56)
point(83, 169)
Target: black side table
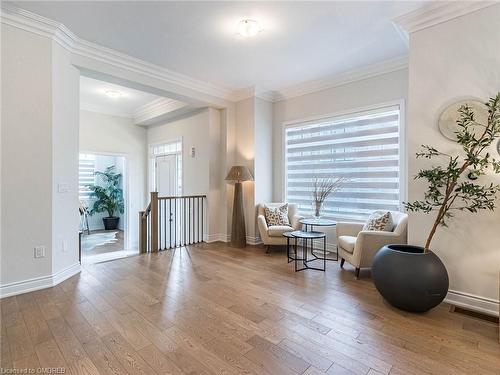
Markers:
point(289, 236)
point(307, 238)
point(311, 223)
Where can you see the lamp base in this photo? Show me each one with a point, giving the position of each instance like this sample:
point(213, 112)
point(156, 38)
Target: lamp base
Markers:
point(238, 231)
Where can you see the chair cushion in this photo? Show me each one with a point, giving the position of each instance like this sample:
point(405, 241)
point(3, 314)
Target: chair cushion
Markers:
point(277, 215)
point(278, 230)
point(379, 220)
point(347, 243)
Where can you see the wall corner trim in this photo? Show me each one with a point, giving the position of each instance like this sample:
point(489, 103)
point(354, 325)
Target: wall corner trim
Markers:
point(435, 13)
point(37, 283)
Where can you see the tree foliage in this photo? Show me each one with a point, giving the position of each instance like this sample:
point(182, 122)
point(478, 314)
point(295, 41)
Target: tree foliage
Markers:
point(448, 189)
point(108, 196)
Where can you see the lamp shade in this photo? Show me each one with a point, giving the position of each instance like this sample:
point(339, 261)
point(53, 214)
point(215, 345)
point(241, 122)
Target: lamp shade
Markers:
point(239, 173)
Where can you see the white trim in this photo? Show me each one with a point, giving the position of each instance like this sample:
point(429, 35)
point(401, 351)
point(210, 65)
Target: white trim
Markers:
point(473, 302)
point(369, 71)
point(218, 237)
point(437, 12)
point(37, 283)
point(29, 21)
point(253, 240)
point(156, 108)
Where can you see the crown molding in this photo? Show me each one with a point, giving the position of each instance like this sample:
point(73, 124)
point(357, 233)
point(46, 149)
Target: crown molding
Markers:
point(350, 76)
point(156, 108)
point(32, 22)
point(437, 12)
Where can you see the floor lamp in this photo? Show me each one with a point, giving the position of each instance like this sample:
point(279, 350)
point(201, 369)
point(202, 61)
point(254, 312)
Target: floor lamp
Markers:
point(238, 174)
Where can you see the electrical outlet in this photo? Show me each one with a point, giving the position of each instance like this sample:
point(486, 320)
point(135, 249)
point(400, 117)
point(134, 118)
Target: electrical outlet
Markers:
point(64, 246)
point(40, 251)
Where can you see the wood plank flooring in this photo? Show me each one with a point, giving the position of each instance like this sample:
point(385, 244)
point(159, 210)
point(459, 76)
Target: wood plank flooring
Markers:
point(212, 309)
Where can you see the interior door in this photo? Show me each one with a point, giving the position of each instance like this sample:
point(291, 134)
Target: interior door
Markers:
point(166, 175)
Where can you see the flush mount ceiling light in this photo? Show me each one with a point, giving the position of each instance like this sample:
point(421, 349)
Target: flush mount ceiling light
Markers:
point(248, 28)
point(113, 94)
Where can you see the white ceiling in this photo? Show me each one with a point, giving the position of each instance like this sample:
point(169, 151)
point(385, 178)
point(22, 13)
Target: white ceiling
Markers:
point(93, 97)
point(301, 41)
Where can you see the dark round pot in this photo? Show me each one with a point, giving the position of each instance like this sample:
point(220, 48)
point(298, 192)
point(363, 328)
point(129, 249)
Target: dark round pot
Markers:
point(410, 279)
point(110, 223)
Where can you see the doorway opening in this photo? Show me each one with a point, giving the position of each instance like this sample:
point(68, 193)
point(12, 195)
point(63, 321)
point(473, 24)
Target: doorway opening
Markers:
point(103, 195)
point(166, 168)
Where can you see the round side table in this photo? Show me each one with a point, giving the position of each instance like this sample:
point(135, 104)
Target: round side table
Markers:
point(308, 237)
point(311, 223)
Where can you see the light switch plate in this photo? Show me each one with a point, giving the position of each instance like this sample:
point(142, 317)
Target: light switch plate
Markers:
point(63, 187)
point(39, 251)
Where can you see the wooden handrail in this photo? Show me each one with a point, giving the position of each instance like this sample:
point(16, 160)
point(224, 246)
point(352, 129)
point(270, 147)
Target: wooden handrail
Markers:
point(146, 212)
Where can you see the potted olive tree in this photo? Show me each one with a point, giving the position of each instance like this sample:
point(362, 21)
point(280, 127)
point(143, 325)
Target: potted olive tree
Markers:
point(413, 278)
point(108, 197)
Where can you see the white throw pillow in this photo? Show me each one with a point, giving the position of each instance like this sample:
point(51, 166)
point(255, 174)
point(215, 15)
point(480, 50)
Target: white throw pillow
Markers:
point(379, 220)
point(277, 215)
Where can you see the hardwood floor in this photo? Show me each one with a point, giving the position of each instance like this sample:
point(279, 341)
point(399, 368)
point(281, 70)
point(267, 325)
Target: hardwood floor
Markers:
point(211, 309)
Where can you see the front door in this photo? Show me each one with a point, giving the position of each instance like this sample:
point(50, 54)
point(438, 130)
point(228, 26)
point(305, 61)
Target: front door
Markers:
point(166, 175)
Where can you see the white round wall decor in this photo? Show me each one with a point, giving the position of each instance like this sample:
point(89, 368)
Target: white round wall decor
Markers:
point(448, 119)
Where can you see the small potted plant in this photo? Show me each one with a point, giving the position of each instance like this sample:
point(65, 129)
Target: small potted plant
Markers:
point(413, 278)
point(322, 188)
point(108, 197)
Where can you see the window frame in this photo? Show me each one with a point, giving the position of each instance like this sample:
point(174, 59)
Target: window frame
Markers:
point(339, 115)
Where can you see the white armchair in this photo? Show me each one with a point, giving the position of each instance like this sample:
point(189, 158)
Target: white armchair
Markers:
point(273, 235)
point(358, 247)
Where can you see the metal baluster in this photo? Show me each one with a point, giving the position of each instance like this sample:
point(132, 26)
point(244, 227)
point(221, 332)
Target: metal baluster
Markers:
point(170, 222)
point(189, 221)
point(165, 223)
point(175, 222)
point(184, 230)
point(159, 224)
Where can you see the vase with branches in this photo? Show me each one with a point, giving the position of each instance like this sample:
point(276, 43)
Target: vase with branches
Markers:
point(411, 277)
point(322, 188)
point(448, 189)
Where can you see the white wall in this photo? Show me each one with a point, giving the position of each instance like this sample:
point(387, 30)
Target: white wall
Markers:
point(26, 154)
point(39, 162)
point(368, 92)
point(372, 91)
point(202, 174)
point(100, 133)
point(65, 113)
point(451, 61)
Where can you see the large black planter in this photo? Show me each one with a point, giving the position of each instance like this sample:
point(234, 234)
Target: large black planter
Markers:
point(110, 223)
point(409, 279)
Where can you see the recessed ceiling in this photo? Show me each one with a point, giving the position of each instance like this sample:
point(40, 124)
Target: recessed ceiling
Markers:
point(93, 97)
point(300, 41)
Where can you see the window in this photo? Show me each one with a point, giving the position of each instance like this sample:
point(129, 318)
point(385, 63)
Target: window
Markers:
point(86, 169)
point(362, 147)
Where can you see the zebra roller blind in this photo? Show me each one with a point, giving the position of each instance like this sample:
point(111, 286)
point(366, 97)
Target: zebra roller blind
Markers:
point(363, 148)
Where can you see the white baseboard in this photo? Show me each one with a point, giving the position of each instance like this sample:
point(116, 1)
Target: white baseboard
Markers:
point(37, 283)
point(251, 240)
point(472, 302)
point(218, 237)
